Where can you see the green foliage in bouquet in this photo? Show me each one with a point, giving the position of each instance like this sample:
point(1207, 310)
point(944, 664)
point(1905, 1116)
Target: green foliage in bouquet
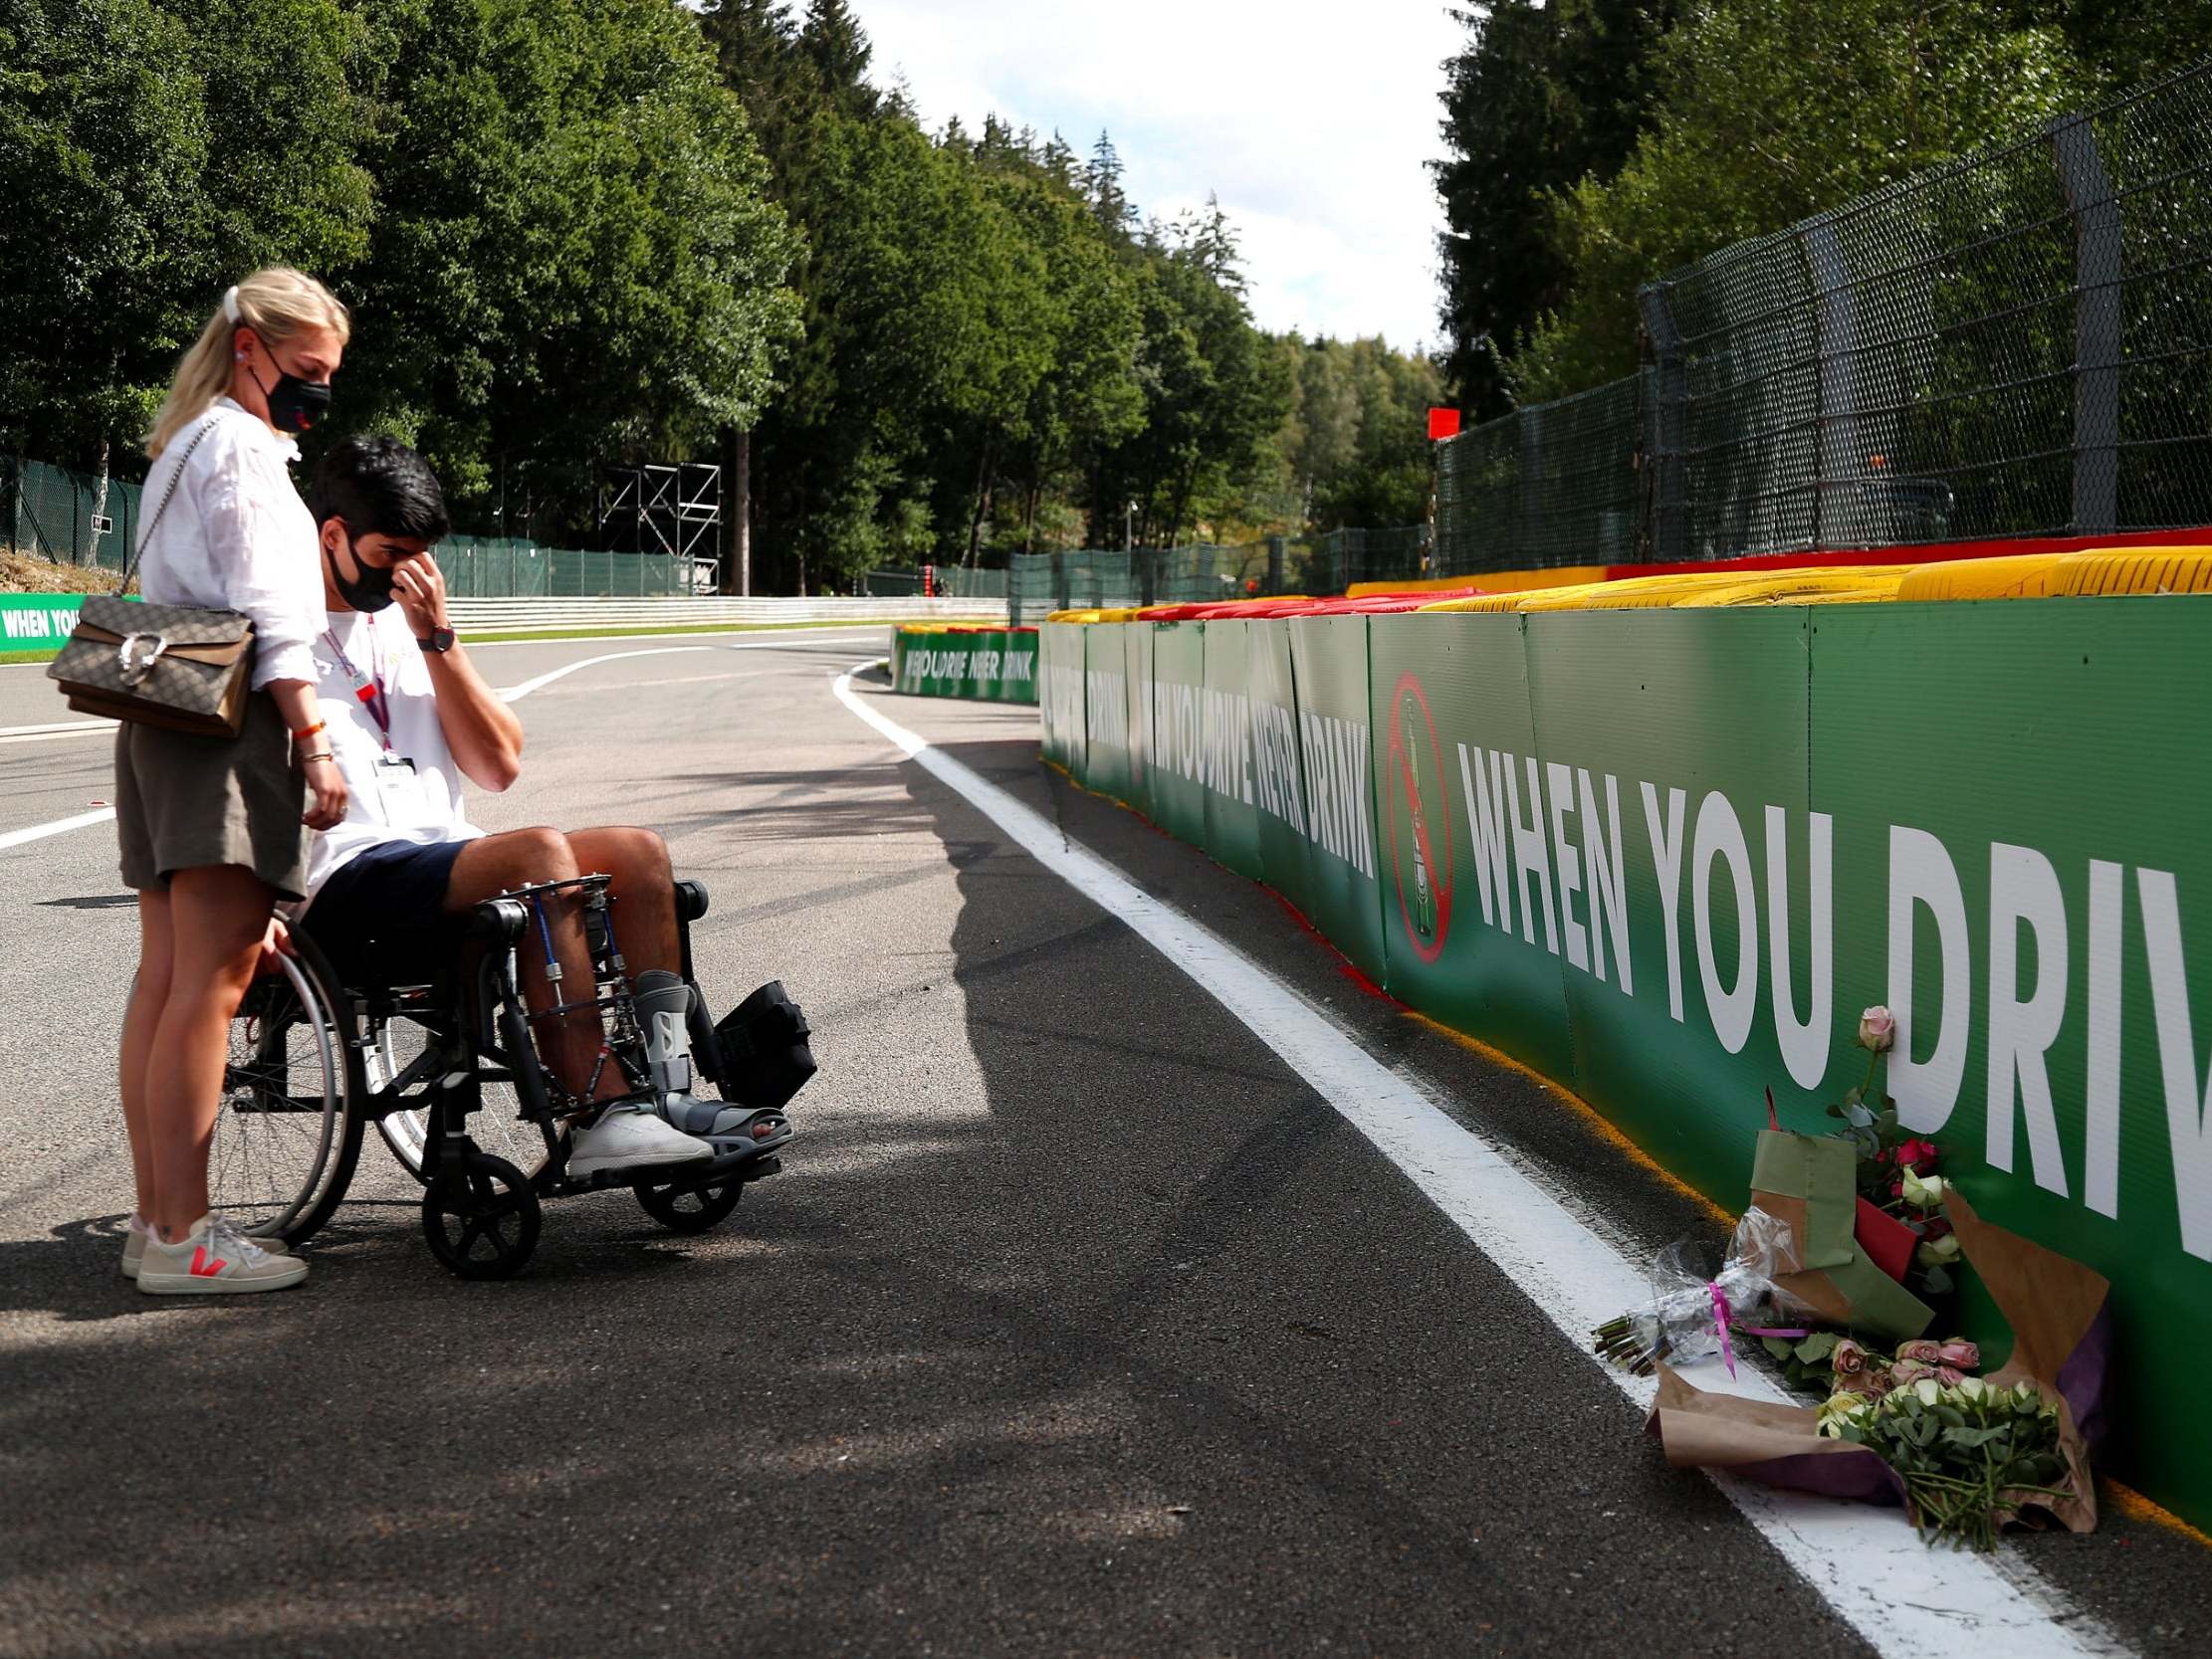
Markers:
point(1968, 1454)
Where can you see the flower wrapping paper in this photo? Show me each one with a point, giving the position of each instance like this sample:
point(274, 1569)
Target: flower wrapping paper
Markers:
point(2062, 1342)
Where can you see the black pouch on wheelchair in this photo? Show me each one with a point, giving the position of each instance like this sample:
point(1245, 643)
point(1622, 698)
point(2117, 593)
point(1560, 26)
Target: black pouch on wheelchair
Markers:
point(762, 1048)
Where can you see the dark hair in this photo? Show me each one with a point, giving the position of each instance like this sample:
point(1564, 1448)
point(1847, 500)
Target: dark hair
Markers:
point(378, 486)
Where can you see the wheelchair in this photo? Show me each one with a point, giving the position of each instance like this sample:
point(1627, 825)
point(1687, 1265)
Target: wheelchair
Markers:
point(313, 1060)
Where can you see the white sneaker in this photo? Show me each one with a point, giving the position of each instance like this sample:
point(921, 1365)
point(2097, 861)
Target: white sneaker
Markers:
point(214, 1259)
point(139, 1230)
point(627, 1139)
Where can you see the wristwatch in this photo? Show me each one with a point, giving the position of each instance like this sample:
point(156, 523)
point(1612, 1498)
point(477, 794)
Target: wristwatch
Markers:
point(439, 641)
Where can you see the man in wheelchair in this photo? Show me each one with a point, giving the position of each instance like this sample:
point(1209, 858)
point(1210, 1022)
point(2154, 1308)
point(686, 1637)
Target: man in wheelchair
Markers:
point(391, 889)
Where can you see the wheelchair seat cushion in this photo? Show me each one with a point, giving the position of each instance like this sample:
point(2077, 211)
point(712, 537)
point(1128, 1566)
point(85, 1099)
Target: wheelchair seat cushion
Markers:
point(381, 917)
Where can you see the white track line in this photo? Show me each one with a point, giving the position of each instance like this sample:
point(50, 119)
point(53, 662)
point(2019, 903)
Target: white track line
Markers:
point(61, 826)
point(514, 694)
point(511, 694)
point(1905, 1600)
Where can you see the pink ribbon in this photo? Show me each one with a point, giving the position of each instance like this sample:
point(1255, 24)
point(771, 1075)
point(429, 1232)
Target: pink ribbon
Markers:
point(1725, 1320)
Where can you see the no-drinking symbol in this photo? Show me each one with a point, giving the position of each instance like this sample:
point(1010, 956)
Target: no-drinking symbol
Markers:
point(1412, 785)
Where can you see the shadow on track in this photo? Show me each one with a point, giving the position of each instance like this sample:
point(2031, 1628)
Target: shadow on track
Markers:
point(1142, 1352)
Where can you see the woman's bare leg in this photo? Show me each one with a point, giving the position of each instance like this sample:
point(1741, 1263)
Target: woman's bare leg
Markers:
point(218, 917)
point(148, 992)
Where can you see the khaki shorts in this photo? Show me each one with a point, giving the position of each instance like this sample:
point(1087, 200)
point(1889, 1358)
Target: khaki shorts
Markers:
point(186, 802)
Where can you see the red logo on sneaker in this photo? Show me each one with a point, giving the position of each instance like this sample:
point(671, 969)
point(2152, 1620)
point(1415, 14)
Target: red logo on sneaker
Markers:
point(205, 1266)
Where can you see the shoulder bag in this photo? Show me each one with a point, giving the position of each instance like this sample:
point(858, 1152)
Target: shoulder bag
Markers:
point(178, 666)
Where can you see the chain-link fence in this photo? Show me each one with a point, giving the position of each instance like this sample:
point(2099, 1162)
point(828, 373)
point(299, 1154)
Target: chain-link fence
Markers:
point(1550, 484)
point(497, 568)
point(2017, 343)
point(947, 581)
point(1111, 578)
point(54, 514)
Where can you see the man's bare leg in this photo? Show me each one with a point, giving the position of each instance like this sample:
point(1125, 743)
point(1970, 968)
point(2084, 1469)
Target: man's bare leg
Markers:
point(644, 887)
point(570, 1043)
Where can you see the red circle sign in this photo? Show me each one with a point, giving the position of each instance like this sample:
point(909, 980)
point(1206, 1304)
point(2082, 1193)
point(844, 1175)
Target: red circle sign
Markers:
point(1427, 913)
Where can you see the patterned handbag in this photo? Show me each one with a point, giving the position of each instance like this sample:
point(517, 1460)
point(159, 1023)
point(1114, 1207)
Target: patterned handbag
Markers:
point(178, 666)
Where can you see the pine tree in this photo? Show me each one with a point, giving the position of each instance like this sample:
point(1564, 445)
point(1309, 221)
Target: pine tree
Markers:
point(834, 45)
point(1102, 185)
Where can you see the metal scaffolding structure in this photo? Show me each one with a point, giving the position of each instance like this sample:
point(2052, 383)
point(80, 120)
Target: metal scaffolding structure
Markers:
point(668, 508)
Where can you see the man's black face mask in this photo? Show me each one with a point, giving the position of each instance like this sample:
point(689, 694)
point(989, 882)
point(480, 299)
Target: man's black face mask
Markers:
point(368, 590)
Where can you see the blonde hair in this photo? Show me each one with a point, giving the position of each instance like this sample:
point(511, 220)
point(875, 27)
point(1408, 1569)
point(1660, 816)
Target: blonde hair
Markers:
point(275, 303)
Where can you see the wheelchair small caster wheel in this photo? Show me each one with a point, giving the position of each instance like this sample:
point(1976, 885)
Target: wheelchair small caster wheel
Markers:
point(693, 1209)
point(481, 1217)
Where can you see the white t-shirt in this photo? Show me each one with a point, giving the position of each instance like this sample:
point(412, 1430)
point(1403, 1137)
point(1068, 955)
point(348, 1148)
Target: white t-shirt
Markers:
point(388, 802)
point(236, 536)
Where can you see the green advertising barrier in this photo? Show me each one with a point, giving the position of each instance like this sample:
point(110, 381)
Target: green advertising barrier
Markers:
point(1452, 698)
point(35, 626)
point(1060, 693)
point(1279, 774)
point(1112, 768)
point(1667, 856)
point(997, 665)
point(1344, 897)
point(1175, 784)
point(1225, 748)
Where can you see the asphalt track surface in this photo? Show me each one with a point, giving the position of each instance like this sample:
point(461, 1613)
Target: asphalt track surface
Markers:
point(1076, 1325)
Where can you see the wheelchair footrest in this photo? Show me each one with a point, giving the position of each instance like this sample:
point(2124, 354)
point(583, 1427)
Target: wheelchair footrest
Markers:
point(737, 1166)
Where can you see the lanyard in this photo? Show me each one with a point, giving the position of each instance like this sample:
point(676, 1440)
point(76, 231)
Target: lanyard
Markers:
point(368, 688)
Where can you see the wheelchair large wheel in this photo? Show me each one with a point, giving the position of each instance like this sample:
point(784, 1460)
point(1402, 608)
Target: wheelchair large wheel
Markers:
point(286, 1136)
point(498, 1125)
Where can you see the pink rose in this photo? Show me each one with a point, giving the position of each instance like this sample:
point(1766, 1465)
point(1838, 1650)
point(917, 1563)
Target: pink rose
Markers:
point(1874, 1384)
point(1962, 1353)
point(1877, 1029)
point(1922, 1352)
point(1850, 1363)
point(1908, 1372)
point(1949, 1376)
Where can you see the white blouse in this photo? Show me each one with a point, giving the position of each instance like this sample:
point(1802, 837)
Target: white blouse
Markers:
point(237, 537)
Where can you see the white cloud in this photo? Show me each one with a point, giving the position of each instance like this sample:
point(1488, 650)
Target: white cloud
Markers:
point(1311, 122)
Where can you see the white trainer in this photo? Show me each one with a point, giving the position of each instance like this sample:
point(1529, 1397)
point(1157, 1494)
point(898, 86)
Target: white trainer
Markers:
point(214, 1259)
point(624, 1139)
point(139, 1230)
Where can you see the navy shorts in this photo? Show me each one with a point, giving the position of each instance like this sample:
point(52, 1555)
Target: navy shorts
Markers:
point(383, 920)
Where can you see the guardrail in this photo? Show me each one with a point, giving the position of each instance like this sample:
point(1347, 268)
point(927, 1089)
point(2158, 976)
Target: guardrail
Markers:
point(529, 616)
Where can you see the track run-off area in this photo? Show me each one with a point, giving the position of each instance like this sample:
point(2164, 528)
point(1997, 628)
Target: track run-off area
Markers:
point(1141, 1283)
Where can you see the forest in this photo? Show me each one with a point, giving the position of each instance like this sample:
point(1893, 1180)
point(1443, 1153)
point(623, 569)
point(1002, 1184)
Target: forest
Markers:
point(578, 234)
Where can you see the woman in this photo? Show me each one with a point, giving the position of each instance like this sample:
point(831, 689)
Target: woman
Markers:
point(212, 829)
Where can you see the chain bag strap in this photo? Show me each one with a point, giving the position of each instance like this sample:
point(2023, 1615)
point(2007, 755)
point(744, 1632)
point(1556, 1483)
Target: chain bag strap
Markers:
point(183, 668)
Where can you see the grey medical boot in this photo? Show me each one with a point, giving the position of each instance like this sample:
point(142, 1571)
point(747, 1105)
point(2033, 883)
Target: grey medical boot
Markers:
point(664, 1009)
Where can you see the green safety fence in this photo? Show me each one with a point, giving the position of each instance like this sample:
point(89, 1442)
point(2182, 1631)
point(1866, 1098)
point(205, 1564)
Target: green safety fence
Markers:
point(67, 517)
point(54, 514)
point(1666, 856)
point(933, 581)
point(493, 567)
point(997, 665)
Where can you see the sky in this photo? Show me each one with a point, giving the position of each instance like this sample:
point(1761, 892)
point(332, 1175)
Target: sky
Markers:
point(1311, 122)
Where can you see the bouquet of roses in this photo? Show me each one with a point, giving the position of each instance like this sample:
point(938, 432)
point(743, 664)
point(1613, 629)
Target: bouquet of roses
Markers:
point(1970, 1455)
point(1835, 1364)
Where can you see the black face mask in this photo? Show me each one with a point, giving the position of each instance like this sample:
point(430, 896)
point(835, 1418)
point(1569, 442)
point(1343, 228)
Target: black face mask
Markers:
point(369, 591)
point(295, 405)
